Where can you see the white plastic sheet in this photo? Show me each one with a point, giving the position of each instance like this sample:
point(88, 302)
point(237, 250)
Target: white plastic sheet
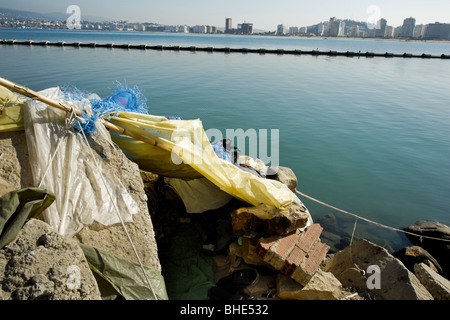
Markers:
point(61, 162)
point(199, 195)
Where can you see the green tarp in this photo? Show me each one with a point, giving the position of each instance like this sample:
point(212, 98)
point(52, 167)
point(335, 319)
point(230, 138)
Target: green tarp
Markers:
point(117, 276)
point(188, 272)
point(16, 207)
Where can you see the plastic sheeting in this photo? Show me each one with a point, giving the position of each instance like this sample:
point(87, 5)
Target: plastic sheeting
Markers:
point(122, 275)
point(199, 195)
point(17, 206)
point(192, 157)
point(81, 190)
point(11, 110)
point(188, 272)
point(190, 145)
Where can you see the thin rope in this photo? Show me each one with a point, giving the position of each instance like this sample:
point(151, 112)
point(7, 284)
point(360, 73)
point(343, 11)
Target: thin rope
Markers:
point(367, 220)
point(354, 229)
point(118, 213)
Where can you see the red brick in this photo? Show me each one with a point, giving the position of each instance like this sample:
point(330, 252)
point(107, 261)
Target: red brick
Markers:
point(315, 258)
point(286, 244)
point(308, 239)
point(293, 261)
point(264, 246)
point(296, 256)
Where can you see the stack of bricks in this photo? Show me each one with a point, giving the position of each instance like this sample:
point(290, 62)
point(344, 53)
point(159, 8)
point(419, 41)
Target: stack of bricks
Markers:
point(297, 255)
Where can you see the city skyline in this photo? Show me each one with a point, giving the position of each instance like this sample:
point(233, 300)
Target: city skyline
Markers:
point(264, 15)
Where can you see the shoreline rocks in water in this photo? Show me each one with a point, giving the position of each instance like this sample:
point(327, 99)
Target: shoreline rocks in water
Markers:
point(440, 250)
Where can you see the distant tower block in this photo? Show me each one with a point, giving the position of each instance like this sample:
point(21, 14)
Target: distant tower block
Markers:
point(228, 25)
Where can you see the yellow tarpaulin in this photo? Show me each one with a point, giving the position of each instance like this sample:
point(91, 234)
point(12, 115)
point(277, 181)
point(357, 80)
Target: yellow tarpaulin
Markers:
point(190, 144)
point(11, 110)
point(191, 156)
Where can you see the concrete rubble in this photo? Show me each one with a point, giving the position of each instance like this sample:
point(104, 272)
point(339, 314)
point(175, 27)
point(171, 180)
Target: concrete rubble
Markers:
point(42, 265)
point(438, 286)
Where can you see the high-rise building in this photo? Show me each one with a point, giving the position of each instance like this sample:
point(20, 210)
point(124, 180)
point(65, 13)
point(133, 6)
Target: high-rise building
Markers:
point(281, 29)
point(389, 32)
point(245, 28)
point(381, 30)
point(354, 31)
point(183, 29)
point(408, 27)
point(437, 31)
point(303, 30)
point(334, 27)
point(419, 31)
point(293, 30)
point(228, 25)
point(321, 29)
point(341, 29)
point(397, 31)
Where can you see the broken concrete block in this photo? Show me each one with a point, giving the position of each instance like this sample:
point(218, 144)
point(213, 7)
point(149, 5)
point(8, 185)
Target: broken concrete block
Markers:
point(351, 267)
point(322, 286)
point(262, 221)
point(248, 252)
point(438, 286)
point(287, 288)
point(297, 255)
point(41, 264)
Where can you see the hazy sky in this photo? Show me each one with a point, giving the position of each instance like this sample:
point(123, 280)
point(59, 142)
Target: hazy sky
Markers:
point(264, 14)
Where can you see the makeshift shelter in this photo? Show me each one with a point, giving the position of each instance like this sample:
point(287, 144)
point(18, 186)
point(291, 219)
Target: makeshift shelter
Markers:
point(177, 149)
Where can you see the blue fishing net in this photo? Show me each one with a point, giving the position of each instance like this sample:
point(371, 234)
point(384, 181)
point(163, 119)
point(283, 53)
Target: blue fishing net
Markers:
point(122, 99)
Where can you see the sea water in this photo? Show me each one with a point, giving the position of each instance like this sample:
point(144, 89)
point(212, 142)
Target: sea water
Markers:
point(368, 135)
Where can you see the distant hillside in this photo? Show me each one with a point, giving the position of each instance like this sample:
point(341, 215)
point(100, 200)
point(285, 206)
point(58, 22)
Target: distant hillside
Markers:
point(55, 16)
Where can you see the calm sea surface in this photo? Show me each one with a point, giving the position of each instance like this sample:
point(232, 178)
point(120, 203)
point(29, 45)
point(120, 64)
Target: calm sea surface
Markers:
point(368, 135)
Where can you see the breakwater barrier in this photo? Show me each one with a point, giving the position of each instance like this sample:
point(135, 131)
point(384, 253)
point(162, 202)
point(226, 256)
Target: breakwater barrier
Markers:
point(129, 46)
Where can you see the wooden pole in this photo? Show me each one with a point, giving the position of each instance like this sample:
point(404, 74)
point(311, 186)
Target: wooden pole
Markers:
point(36, 96)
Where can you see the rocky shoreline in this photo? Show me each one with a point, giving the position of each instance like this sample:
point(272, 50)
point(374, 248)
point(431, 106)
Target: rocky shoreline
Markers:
point(40, 264)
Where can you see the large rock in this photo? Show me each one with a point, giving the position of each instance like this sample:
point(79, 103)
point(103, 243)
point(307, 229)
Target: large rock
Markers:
point(16, 171)
point(42, 265)
point(438, 286)
point(410, 256)
point(287, 176)
point(263, 221)
point(5, 187)
point(396, 282)
point(322, 286)
point(440, 250)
